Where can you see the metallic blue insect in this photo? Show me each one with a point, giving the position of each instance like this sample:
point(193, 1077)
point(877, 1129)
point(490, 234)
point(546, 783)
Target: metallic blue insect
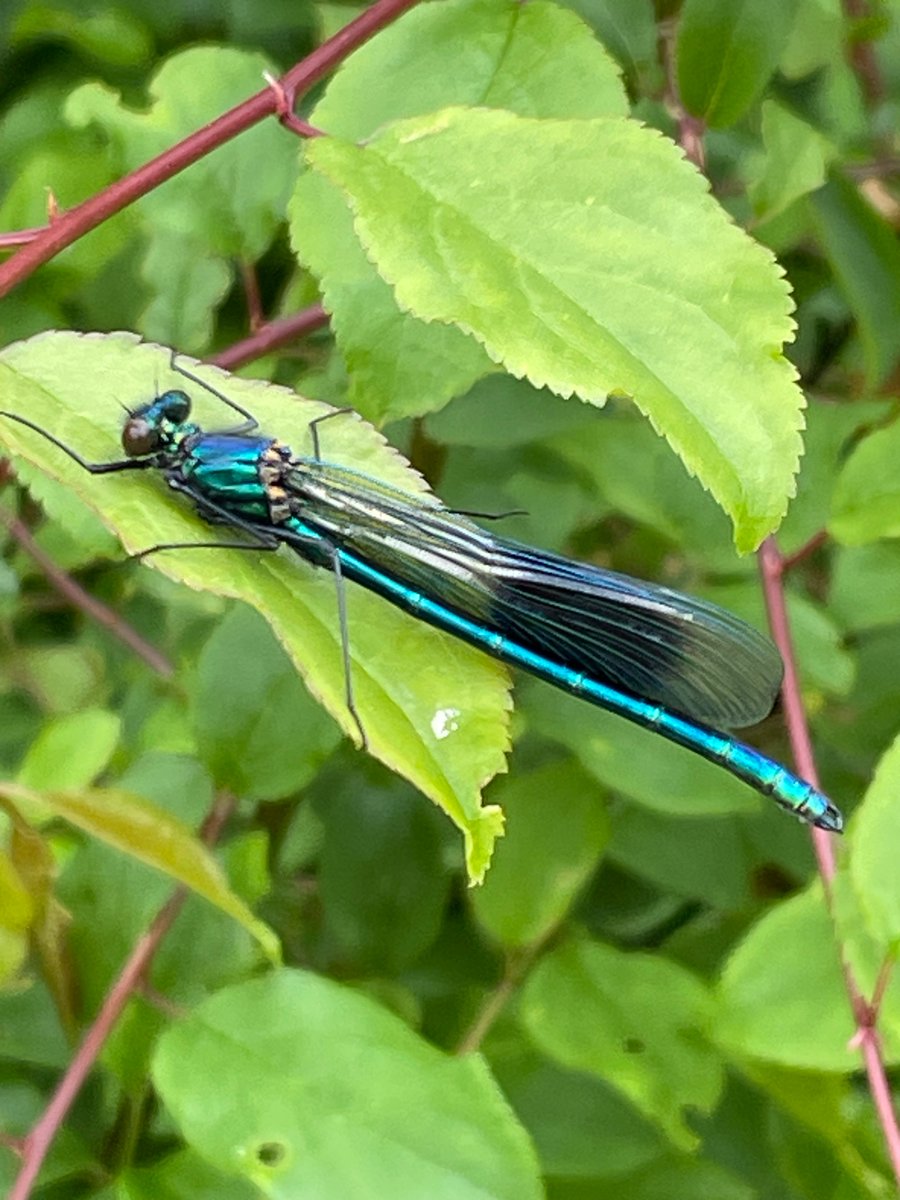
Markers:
point(670, 663)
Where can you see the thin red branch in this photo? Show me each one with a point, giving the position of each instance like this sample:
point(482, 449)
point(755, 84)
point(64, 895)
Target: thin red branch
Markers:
point(21, 237)
point(862, 54)
point(792, 560)
point(772, 568)
point(299, 79)
point(271, 336)
point(40, 1138)
point(88, 604)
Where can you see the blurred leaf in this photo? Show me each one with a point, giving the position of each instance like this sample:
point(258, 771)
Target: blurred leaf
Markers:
point(326, 1094)
point(62, 677)
point(783, 1006)
point(70, 751)
point(695, 859)
point(500, 412)
point(556, 830)
point(594, 1008)
point(149, 834)
point(726, 53)
point(113, 899)
point(260, 733)
point(626, 27)
point(865, 257)
point(865, 586)
point(572, 303)
point(112, 34)
point(582, 1127)
point(191, 245)
point(829, 427)
point(795, 161)
point(444, 729)
point(384, 884)
point(634, 469)
point(16, 903)
point(866, 501)
point(874, 850)
point(181, 1176)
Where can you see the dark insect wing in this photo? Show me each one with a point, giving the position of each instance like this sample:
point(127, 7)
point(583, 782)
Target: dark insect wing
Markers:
point(645, 640)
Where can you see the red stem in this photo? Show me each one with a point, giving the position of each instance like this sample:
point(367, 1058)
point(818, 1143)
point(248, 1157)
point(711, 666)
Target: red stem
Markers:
point(300, 78)
point(772, 568)
point(92, 607)
point(41, 1136)
point(270, 336)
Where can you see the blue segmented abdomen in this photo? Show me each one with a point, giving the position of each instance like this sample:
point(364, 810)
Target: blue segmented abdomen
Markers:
point(739, 759)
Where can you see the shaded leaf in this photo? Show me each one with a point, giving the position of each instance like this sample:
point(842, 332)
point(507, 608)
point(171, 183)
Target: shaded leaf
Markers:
point(594, 1008)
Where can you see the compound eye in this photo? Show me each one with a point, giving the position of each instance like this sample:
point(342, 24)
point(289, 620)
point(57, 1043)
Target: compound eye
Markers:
point(176, 407)
point(139, 437)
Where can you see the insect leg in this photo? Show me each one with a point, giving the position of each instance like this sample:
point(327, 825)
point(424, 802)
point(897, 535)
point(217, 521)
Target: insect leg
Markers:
point(345, 646)
point(247, 425)
point(316, 421)
point(95, 468)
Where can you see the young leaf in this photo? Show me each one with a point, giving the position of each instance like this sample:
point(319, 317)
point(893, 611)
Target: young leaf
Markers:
point(588, 256)
point(444, 729)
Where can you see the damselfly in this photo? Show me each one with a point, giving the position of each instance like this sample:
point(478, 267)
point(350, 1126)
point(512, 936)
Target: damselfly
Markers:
point(676, 665)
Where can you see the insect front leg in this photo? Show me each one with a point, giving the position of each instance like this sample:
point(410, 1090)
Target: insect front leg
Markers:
point(95, 468)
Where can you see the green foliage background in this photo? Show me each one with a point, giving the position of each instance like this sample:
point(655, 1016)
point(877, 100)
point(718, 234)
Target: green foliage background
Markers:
point(534, 297)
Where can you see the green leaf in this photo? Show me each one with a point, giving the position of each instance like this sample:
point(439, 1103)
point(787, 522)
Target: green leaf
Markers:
point(443, 729)
point(330, 1095)
point(784, 1006)
point(694, 859)
point(148, 833)
point(628, 30)
point(865, 586)
point(594, 1008)
point(595, 281)
point(537, 60)
point(259, 731)
point(795, 161)
point(383, 877)
point(637, 473)
point(398, 366)
point(114, 35)
point(203, 951)
point(582, 1127)
point(872, 856)
point(70, 751)
point(863, 252)
point(556, 830)
point(726, 53)
point(181, 1176)
point(866, 501)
